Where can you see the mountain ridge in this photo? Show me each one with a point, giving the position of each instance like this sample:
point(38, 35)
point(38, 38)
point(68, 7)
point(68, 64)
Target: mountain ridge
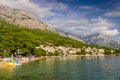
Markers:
point(18, 36)
point(22, 18)
point(101, 40)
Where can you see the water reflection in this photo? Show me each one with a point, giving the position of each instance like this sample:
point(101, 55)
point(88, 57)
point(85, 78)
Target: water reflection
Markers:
point(67, 68)
point(6, 73)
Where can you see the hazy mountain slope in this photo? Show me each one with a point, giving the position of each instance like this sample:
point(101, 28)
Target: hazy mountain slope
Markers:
point(101, 40)
point(12, 36)
point(21, 18)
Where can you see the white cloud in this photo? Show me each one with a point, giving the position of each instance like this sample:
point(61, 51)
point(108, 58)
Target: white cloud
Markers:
point(41, 12)
point(85, 26)
point(85, 7)
point(43, 9)
point(113, 14)
point(58, 6)
point(67, 23)
point(110, 32)
point(66, 19)
point(101, 22)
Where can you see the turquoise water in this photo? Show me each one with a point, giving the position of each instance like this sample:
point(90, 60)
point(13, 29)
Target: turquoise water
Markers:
point(66, 68)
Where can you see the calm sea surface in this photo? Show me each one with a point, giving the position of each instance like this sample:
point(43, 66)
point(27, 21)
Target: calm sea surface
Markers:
point(66, 68)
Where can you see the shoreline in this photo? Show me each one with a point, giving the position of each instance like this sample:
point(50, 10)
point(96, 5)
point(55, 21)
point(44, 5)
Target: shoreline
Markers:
point(27, 59)
point(21, 60)
point(24, 60)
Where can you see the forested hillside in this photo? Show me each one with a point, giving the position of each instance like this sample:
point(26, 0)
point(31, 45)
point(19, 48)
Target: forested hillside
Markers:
point(14, 37)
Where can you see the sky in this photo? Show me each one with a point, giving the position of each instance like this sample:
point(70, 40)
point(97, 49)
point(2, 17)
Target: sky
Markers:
point(75, 17)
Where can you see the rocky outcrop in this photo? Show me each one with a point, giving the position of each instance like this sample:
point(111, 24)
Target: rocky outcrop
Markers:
point(21, 18)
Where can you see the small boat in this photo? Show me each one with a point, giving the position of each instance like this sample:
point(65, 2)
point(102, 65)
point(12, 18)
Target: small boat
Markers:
point(10, 63)
point(7, 65)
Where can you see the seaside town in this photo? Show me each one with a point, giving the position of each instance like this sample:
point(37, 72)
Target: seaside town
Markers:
point(17, 58)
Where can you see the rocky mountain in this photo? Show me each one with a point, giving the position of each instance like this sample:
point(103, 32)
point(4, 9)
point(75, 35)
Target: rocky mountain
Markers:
point(18, 31)
point(70, 35)
point(21, 18)
point(101, 40)
point(26, 19)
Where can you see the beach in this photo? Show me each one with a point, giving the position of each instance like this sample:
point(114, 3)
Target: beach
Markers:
point(21, 60)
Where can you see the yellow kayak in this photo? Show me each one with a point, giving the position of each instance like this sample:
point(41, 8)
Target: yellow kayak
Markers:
point(7, 65)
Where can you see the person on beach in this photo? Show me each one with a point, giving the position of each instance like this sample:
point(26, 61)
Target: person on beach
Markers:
point(0, 59)
point(14, 57)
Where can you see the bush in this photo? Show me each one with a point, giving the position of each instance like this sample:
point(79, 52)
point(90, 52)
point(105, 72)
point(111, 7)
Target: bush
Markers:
point(50, 54)
point(78, 53)
point(6, 54)
point(56, 53)
point(40, 52)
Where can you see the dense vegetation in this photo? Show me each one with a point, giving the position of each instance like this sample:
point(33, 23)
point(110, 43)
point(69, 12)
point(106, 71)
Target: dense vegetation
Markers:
point(14, 37)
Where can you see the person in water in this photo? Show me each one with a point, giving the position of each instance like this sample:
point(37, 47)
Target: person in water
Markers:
point(16, 60)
